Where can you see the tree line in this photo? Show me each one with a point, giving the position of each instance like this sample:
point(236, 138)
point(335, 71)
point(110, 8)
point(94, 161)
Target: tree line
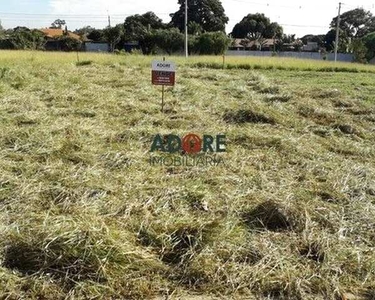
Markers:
point(206, 28)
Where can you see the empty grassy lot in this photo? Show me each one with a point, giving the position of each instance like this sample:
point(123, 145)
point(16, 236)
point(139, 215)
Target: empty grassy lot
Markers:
point(83, 215)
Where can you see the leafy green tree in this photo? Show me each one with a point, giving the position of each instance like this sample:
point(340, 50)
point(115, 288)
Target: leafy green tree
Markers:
point(298, 45)
point(194, 28)
point(113, 36)
point(148, 43)
point(355, 23)
point(84, 31)
point(369, 42)
point(22, 38)
point(1, 30)
point(330, 38)
point(169, 40)
point(209, 14)
point(212, 43)
point(137, 26)
point(193, 44)
point(359, 50)
point(257, 27)
point(285, 39)
point(96, 35)
point(68, 43)
point(314, 38)
point(58, 24)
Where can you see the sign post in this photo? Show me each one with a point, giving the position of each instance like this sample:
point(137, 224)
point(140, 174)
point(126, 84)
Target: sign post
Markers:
point(164, 74)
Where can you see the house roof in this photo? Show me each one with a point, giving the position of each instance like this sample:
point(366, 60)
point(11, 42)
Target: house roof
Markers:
point(52, 33)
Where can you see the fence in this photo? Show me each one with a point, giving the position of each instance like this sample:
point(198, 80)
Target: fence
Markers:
point(345, 57)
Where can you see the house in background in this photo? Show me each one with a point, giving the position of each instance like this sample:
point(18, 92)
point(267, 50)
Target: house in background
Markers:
point(237, 45)
point(311, 47)
point(91, 46)
point(273, 45)
point(245, 44)
point(52, 35)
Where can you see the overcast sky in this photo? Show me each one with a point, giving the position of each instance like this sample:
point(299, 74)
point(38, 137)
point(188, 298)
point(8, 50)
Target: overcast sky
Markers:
point(297, 16)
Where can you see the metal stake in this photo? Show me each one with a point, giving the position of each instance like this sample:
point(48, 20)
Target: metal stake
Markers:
point(162, 95)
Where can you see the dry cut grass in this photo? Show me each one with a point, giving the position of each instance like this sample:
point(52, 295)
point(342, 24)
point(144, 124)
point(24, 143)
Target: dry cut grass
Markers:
point(83, 215)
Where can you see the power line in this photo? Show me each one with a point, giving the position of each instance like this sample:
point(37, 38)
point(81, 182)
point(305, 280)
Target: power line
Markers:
point(303, 26)
point(70, 15)
point(103, 18)
point(266, 4)
point(297, 7)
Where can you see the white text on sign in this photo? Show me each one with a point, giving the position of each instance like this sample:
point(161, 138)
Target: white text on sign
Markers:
point(163, 73)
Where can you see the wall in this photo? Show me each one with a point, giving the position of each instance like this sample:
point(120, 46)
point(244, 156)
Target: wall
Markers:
point(346, 57)
point(96, 47)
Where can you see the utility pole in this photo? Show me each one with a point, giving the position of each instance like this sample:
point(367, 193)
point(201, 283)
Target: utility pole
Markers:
point(337, 32)
point(109, 19)
point(186, 30)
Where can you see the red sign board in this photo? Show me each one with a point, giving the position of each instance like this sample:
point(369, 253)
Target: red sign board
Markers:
point(163, 78)
point(163, 73)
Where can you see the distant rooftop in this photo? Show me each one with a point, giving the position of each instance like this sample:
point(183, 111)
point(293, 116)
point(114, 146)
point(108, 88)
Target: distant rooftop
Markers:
point(52, 33)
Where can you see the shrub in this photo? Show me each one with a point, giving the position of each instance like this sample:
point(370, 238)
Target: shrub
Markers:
point(369, 42)
point(212, 43)
point(84, 63)
point(113, 36)
point(25, 39)
point(169, 40)
point(359, 50)
point(136, 52)
point(68, 43)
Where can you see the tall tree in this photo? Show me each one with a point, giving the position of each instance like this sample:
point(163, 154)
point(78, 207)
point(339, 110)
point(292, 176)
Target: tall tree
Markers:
point(22, 38)
point(285, 41)
point(209, 14)
point(329, 41)
point(356, 23)
point(358, 48)
point(256, 27)
point(170, 40)
point(2, 31)
point(194, 28)
point(140, 28)
point(314, 38)
point(369, 41)
point(58, 24)
point(84, 31)
point(96, 35)
point(68, 43)
point(212, 43)
point(137, 26)
point(113, 36)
